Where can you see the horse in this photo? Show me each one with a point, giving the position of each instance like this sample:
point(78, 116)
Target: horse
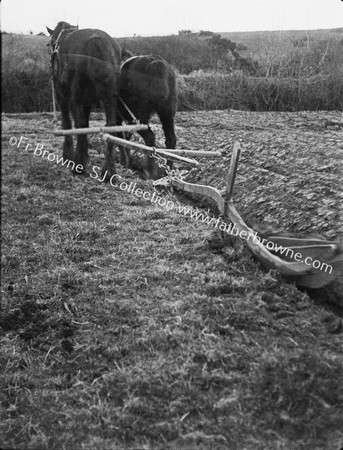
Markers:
point(147, 86)
point(85, 67)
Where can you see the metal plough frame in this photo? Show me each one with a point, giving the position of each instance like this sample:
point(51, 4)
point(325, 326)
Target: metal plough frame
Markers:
point(327, 252)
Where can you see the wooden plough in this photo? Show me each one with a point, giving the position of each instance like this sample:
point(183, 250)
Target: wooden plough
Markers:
point(328, 253)
point(293, 263)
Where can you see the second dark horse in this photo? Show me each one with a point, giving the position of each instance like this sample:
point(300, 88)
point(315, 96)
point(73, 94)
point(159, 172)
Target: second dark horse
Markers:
point(148, 86)
point(85, 70)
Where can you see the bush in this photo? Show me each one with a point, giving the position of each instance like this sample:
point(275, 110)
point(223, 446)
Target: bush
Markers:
point(25, 83)
point(201, 90)
point(222, 91)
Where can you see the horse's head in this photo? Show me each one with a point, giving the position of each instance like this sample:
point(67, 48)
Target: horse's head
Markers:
point(60, 29)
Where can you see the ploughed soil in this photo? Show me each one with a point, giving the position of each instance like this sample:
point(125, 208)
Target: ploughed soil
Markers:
point(124, 326)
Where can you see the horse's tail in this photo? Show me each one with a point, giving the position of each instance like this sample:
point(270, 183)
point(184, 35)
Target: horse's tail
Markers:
point(158, 74)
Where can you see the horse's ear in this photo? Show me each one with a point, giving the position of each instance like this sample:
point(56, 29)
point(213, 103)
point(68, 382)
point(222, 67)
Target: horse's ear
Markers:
point(50, 31)
point(125, 54)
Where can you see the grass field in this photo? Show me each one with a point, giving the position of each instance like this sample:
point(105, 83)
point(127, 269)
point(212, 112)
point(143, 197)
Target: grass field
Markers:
point(123, 328)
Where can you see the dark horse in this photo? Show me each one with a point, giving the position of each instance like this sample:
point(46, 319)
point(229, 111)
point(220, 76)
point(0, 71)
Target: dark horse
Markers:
point(86, 70)
point(148, 86)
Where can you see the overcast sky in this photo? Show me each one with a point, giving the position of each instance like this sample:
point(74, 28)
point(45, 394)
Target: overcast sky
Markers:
point(122, 18)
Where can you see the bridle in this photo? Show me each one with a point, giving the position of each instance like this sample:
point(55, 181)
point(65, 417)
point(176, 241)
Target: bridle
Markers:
point(56, 45)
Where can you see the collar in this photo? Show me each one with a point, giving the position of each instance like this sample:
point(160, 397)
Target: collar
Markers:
point(57, 43)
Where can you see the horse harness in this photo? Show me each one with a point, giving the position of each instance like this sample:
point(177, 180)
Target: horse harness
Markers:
point(57, 44)
point(55, 47)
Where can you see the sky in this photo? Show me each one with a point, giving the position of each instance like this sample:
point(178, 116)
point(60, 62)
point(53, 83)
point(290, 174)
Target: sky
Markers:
point(125, 18)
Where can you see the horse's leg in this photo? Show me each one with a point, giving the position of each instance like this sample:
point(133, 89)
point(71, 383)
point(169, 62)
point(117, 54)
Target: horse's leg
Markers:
point(149, 139)
point(124, 152)
point(81, 117)
point(148, 136)
point(167, 121)
point(108, 169)
point(68, 151)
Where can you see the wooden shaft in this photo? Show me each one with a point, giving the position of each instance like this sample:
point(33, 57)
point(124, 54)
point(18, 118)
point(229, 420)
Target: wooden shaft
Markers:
point(120, 128)
point(162, 152)
point(232, 171)
point(114, 129)
point(199, 153)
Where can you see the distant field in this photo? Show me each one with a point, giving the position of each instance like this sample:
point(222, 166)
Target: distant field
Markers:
point(256, 40)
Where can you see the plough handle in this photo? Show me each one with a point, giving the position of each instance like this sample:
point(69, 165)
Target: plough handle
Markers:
point(232, 174)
